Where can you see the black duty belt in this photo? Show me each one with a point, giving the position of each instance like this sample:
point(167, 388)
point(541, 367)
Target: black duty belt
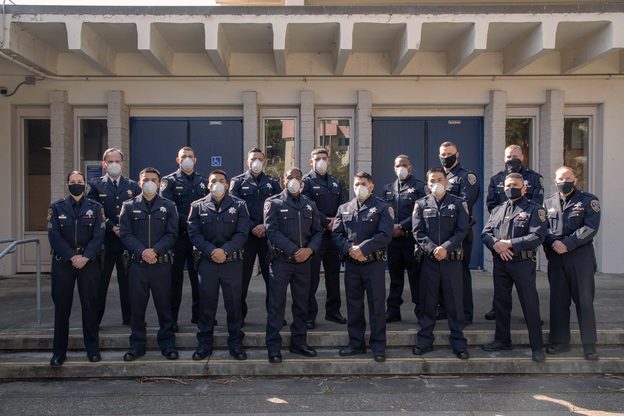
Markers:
point(525, 255)
point(162, 259)
point(235, 256)
point(374, 256)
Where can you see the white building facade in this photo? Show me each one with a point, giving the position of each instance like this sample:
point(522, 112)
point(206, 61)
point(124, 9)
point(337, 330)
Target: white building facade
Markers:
point(368, 82)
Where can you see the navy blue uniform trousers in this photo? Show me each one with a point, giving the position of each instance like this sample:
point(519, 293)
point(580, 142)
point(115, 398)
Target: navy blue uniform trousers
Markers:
point(255, 246)
point(115, 259)
point(328, 255)
point(183, 254)
point(401, 258)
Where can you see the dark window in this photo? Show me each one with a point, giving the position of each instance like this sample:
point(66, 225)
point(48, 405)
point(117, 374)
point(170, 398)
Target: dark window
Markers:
point(519, 131)
point(576, 133)
point(37, 173)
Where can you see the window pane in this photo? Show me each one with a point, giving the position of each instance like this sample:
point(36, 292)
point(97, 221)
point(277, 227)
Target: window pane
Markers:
point(279, 137)
point(334, 135)
point(518, 131)
point(37, 173)
point(576, 148)
point(93, 139)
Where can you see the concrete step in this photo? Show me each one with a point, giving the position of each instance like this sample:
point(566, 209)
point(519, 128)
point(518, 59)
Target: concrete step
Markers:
point(117, 338)
point(400, 361)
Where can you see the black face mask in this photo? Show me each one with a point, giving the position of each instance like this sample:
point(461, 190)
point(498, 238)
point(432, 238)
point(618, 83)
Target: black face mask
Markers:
point(448, 161)
point(76, 189)
point(513, 193)
point(565, 187)
point(513, 165)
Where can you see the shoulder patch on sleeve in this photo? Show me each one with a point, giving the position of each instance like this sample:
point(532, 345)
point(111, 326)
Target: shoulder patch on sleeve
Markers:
point(391, 211)
point(267, 207)
point(465, 205)
point(472, 179)
point(541, 212)
point(541, 180)
point(595, 204)
point(49, 215)
point(163, 184)
point(103, 225)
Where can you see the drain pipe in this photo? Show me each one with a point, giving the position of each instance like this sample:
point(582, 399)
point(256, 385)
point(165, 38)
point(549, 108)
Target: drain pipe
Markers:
point(4, 24)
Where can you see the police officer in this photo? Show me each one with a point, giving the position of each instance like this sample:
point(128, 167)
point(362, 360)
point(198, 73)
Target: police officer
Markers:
point(76, 233)
point(513, 232)
point(328, 192)
point(183, 187)
point(463, 184)
point(111, 190)
point(218, 226)
point(440, 223)
point(254, 187)
point(401, 195)
point(148, 227)
point(362, 231)
point(496, 189)
point(574, 218)
point(294, 231)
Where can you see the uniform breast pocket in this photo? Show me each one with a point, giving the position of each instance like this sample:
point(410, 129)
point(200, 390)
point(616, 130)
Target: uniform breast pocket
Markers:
point(207, 222)
point(449, 218)
point(229, 221)
point(266, 190)
point(521, 227)
point(87, 222)
point(430, 216)
point(306, 216)
point(389, 196)
point(246, 192)
point(576, 220)
point(347, 218)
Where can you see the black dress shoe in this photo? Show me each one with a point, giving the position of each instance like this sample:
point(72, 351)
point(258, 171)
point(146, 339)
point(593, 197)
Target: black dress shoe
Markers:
point(538, 356)
point(390, 317)
point(94, 357)
point(557, 348)
point(304, 350)
point(239, 355)
point(421, 350)
point(57, 360)
point(591, 356)
point(462, 355)
point(201, 354)
point(175, 328)
point(379, 357)
point(171, 354)
point(132, 355)
point(496, 346)
point(349, 350)
point(275, 357)
point(337, 318)
point(310, 324)
point(491, 315)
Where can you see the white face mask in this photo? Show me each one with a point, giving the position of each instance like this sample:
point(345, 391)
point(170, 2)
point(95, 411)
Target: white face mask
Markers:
point(321, 166)
point(217, 189)
point(113, 169)
point(256, 166)
point(361, 192)
point(149, 188)
point(437, 190)
point(294, 186)
point(187, 164)
point(401, 172)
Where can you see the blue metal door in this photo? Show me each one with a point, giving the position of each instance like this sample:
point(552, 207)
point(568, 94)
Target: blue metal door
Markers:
point(420, 139)
point(218, 143)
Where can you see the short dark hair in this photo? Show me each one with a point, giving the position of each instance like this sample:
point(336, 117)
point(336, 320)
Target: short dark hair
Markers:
point(75, 172)
point(448, 143)
point(218, 172)
point(149, 170)
point(319, 150)
point(293, 169)
point(435, 170)
point(364, 175)
point(514, 176)
point(255, 150)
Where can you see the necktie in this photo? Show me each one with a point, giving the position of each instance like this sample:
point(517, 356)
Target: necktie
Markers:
point(504, 235)
point(115, 184)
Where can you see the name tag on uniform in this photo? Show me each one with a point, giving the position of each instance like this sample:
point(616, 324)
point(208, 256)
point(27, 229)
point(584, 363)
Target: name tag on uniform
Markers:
point(427, 211)
point(179, 187)
point(316, 187)
point(136, 211)
point(283, 210)
point(62, 217)
point(205, 214)
point(102, 195)
point(244, 187)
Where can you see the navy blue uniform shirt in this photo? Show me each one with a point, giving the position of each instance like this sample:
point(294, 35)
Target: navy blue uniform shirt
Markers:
point(254, 192)
point(104, 191)
point(527, 225)
point(369, 225)
point(532, 180)
point(463, 184)
point(76, 226)
point(574, 220)
point(440, 224)
point(222, 225)
point(327, 192)
point(183, 190)
point(292, 223)
point(155, 227)
point(402, 195)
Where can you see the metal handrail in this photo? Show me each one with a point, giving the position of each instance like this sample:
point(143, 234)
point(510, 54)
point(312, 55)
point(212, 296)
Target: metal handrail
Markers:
point(12, 248)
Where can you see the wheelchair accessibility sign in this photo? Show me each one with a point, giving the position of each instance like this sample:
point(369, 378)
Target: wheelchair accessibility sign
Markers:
point(215, 161)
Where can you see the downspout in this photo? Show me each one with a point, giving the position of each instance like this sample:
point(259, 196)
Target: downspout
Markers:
point(4, 24)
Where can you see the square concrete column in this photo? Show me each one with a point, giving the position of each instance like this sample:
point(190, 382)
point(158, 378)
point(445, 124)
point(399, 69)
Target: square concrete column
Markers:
point(306, 142)
point(250, 121)
point(551, 138)
point(364, 132)
point(118, 119)
point(61, 142)
point(494, 122)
